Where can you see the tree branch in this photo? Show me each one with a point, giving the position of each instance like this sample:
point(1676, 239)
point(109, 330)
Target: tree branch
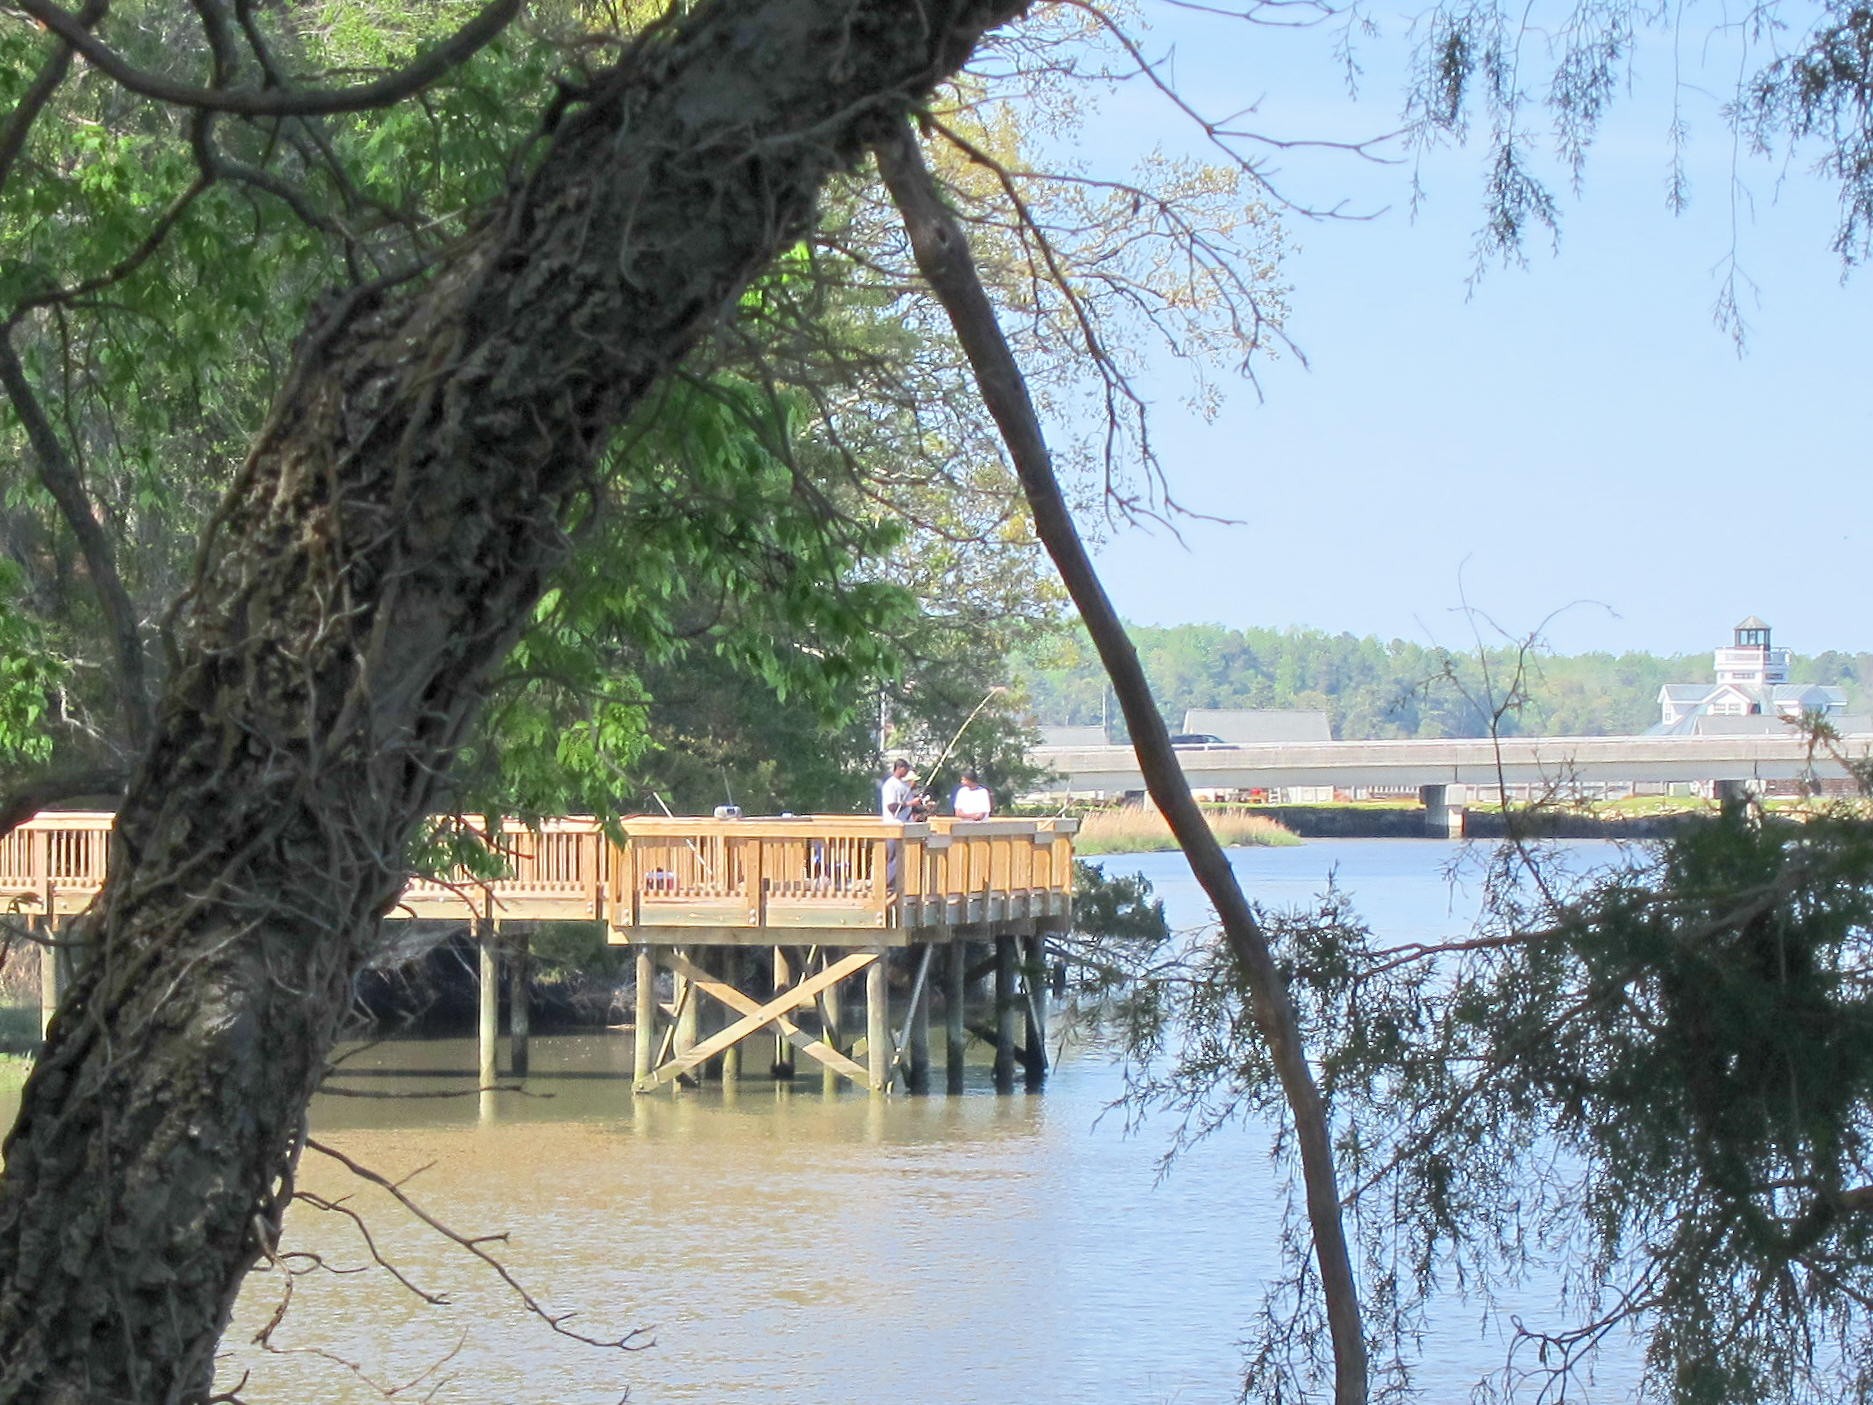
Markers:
point(19, 123)
point(942, 254)
point(392, 88)
point(61, 478)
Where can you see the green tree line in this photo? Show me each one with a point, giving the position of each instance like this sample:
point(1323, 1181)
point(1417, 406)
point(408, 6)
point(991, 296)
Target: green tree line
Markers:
point(1377, 689)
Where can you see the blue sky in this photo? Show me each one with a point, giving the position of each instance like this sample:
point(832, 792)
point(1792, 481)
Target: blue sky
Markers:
point(1575, 431)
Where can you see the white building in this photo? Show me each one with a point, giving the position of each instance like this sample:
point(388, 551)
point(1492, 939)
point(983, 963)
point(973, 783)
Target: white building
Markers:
point(1752, 683)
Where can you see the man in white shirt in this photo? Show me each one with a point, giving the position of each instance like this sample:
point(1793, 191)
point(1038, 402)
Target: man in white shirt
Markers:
point(972, 800)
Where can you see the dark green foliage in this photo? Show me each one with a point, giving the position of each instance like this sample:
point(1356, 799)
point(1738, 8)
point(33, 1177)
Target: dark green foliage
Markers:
point(1372, 689)
point(1369, 688)
point(1117, 907)
point(1653, 1083)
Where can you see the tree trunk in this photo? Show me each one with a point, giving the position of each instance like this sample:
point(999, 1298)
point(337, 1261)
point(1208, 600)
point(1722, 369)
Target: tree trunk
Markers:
point(942, 252)
point(383, 545)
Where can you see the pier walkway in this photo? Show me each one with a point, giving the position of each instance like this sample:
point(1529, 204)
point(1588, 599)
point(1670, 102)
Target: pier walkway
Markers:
point(765, 918)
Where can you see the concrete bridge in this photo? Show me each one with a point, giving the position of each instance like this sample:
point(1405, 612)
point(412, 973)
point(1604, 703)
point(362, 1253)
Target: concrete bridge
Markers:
point(1466, 762)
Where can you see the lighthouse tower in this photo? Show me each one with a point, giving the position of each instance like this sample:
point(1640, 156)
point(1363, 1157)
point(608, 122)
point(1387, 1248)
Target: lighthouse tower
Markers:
point(1751, 661)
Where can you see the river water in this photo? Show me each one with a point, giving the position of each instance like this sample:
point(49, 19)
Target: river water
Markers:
point(774, 1245)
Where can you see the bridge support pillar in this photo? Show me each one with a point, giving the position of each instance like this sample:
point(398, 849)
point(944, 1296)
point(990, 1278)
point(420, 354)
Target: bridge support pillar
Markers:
point(1732, 796)
point(1442, 819)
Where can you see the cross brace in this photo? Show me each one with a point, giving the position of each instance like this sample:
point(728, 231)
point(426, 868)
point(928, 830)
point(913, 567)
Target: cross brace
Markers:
point(756, 1017)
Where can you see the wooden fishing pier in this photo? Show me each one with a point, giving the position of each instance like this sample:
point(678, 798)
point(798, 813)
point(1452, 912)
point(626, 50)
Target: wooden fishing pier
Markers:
point(756, 927)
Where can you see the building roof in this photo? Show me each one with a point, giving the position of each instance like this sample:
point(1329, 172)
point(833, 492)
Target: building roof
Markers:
point(1073, 736)
point(1753, 623)
point(1773, 700)
point(1243, 724)
point(1812, 695)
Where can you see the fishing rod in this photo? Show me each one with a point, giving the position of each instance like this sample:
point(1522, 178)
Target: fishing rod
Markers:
point(943, 755)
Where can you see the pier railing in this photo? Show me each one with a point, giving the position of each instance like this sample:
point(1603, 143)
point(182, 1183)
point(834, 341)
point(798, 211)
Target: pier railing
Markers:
point(725, 880)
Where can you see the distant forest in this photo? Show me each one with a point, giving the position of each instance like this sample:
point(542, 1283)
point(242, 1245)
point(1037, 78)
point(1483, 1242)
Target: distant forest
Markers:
point(1372, 689)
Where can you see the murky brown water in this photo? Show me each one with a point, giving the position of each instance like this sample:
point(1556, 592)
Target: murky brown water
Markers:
point(779, 1246)
point(776, 1245)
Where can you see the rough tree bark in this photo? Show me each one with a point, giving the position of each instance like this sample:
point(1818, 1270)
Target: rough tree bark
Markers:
point(386, 538)
point(942, 252)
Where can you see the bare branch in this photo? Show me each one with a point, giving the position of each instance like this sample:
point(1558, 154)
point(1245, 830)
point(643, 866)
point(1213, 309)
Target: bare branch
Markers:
point(634, 1340)
point(61, 478)
point(392, 88)
point(942, 253)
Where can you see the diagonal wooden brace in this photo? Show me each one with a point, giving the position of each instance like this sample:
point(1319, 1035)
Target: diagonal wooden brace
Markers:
point(756, 1017)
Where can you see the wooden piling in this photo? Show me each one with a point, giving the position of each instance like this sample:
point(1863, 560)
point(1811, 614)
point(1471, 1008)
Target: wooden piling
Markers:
point(955, 1031)
point(519, 1001)
point(1035, 980)
point(782, 1067)
point(644, 1047)
point(879, 1053)
point(917, 1039)
point(688, 1004)
point(51, 973)
point(830, 1033)
point(1005, 1012)
point(732, 966)
point(488, 1023)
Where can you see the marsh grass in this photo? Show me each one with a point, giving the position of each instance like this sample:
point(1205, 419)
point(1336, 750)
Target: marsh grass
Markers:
point(1140, 829)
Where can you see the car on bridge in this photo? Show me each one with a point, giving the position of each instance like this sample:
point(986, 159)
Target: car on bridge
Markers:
point(1199, 739)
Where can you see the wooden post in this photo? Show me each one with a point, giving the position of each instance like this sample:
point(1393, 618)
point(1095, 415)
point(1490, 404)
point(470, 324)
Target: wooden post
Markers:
point(731, 973)
point(519, 1000)
point(1005, 1011)
point(488, 1026)
point(644, 1046)
point(954, 1029)
point(702, 1013)
point(829, 1028)
point(51, 972)
point(782, 1067)
point(918, 1064)
point(1035, 979)
point(878, 1023)
point(687, 1001)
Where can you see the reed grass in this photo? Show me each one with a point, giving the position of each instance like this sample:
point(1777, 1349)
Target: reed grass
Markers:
point(1140, 829)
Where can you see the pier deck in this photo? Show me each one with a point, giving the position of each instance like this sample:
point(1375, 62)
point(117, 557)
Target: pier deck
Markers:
point(823, 898)
point(742, 882)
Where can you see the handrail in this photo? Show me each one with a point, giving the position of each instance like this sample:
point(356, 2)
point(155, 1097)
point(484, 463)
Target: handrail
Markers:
point(784, 872)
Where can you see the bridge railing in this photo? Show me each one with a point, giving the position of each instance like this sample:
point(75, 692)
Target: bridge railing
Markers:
point(55, 864)
point(741, 875)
